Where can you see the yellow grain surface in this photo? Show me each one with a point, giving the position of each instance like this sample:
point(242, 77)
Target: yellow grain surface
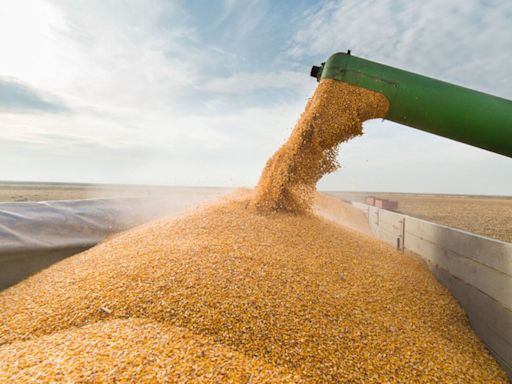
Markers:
point(131, 350)
point(296, 292)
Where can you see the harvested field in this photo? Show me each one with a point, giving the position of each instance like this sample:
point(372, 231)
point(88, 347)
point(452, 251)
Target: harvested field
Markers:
point(34, 191)
point(485, 215)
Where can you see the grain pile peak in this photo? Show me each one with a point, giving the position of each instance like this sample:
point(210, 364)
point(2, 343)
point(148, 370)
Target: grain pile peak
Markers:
point(226, 294)
point(334, 114)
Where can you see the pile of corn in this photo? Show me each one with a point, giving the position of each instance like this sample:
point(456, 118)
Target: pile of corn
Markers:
point(292, 292)
point(226, 294)
point(132, 350)
point(334, 114)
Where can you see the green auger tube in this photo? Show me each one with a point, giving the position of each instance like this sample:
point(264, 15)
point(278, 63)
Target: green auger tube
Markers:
point(434, 106)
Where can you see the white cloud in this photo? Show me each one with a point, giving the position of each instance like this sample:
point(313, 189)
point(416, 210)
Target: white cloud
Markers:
point(27, 30)
point(153, 98)
point(391, 157)
point(25, 99)
point(464, 41)
point(247, 82)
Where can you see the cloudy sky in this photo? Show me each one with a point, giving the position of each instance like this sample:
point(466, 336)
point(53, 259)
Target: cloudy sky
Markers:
point(202, 92)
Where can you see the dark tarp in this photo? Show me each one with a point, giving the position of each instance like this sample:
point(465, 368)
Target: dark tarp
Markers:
point(34, 235)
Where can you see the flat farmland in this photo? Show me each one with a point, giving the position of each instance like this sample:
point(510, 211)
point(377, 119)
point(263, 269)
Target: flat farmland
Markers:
point(489, 216)
point(485, 215)
point(41, 191)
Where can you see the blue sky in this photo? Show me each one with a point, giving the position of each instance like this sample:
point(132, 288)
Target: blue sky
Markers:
point(203, 92)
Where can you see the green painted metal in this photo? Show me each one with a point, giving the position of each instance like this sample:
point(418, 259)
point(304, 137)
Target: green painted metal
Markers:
point(444, 109)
